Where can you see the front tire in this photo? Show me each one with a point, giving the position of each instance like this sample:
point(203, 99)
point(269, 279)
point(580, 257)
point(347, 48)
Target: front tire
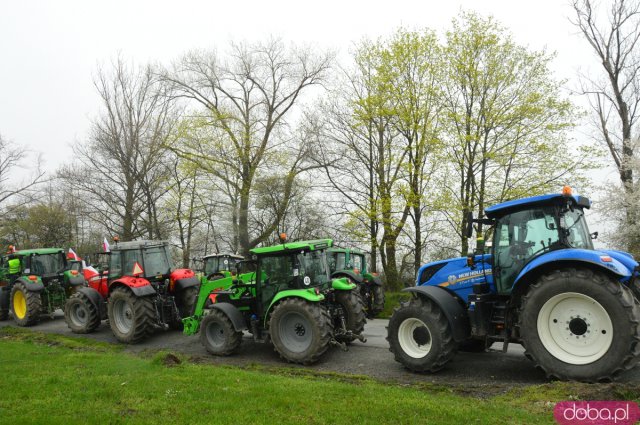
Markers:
point(577, 324)
point(81, 315)
point(25, 305)
point(300, 330)
point(130, 317)
point(218, 335)
point(420, 336)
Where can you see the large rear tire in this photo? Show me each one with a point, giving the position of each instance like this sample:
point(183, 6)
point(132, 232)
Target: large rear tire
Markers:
point(577, 324)
point(352, 306)
point(218, 335)
point(81, 315)
point(130, 317)
point(300, 330)
point(420, 336)
point(26, 306)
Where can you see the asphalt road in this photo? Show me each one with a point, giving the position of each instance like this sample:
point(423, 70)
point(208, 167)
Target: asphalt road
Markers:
point(489, 372)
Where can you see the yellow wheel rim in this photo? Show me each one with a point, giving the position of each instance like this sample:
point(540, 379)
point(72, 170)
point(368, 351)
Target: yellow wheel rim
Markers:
point(19, 305)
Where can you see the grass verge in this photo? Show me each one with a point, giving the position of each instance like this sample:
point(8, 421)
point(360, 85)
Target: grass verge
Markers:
point(54, 379)
point(391, 301)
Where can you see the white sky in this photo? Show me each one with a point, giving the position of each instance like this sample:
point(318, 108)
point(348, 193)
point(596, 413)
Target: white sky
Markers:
point(49, 50)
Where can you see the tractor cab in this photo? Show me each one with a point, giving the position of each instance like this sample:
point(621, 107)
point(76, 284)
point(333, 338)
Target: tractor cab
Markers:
point(147, 259)
point(216, 266)
point(530, 228)
point(48, 264)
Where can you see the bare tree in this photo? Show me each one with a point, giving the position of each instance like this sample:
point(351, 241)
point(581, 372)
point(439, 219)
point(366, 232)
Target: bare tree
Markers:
point(244, 125)
point(12, 158)
point(122, 168)
point(614, 96)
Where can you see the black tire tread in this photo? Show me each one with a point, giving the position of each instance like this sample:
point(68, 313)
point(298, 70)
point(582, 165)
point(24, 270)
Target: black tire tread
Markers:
point(320, 315)
point(233, 338)
point(34, 305)
point(353, 305)
point(448, 347)
point(143, 309)
point(93, 320)
point(631, 307)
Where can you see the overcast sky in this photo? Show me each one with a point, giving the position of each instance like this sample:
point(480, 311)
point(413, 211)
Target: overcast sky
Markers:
point(49, 50)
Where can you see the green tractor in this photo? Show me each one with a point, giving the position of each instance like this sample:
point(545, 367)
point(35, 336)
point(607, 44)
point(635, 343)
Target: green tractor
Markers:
point(351, 264)
point(34, 282)
point(219, 266)
point(287, 298)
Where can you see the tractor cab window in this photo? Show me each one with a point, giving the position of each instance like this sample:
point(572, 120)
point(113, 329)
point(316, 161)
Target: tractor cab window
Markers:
point(518, 238)
point(340, 260)
point(156, 261)
point(278, 270)
point(575, 230)
point(357, 262)
point(129, 260)
point(211, 265)
point(312, 267)
point(46, 264)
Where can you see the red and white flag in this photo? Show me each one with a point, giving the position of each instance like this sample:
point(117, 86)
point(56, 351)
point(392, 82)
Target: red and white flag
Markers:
point(105, 245)
point(73, 256)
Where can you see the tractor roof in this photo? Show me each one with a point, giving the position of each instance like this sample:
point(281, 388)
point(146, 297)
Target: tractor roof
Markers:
point(239, 257)
point(350, 250)
point(294, 246)
point(504, 208)
point(124, 246)
point(38, 251)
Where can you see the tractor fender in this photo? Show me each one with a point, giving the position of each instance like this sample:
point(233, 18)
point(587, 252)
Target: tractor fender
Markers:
point(342, 284)
point(96, 299)
point(307, 294)
point(30, 285)
point(598, 259)
point(357, 278)
point(76, 280)
point(454, 312)
point(233, 314)
point(185, 283)
point(139, 286)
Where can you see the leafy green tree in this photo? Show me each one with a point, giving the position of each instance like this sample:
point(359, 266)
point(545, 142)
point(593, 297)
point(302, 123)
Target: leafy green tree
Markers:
point(507, 120)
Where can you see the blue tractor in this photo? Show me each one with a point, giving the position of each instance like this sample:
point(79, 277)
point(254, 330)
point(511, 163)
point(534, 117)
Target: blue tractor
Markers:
point(541, 284)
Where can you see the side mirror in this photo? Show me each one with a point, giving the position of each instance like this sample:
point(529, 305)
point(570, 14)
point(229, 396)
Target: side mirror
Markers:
point(594, 235)
point(471, 260)
point(469, 224)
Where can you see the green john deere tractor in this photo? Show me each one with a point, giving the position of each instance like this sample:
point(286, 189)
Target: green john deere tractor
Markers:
point(287, 297)
point(35, 282)
point(351, 264)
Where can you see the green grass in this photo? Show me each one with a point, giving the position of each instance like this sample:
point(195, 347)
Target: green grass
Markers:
point(55, 379)
point(391, 301)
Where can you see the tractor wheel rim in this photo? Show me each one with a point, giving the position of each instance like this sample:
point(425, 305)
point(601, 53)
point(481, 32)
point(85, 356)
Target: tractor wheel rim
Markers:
point(296, 332)
point(123, 316)
point(575, 328)
point(78, 314)
point(414, 338)
point(215, 334)
point(19, 305)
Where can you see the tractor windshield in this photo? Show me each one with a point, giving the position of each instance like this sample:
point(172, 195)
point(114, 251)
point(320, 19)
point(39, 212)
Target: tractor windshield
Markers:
point(211, 265)
point(313, 268)
point(46, 264)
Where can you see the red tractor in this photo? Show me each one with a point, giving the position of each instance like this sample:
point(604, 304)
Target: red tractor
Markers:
point(139, 292)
